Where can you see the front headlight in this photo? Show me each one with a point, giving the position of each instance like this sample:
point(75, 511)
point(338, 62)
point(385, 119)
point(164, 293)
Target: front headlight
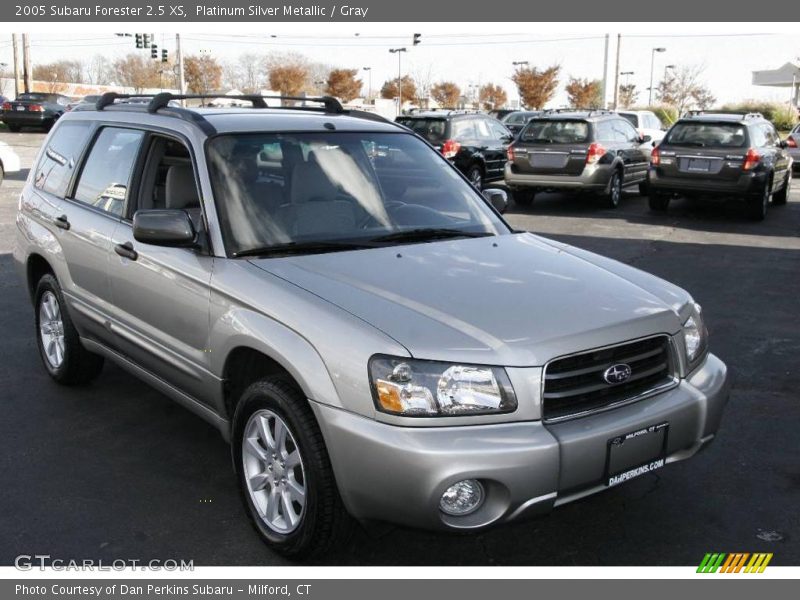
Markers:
point(422, 388)
point(695, 336)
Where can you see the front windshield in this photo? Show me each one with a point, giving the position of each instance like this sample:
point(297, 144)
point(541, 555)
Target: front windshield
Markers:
point(302, 188)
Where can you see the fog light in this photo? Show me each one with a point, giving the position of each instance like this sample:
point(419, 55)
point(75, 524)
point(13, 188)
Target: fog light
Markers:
point(462, 498)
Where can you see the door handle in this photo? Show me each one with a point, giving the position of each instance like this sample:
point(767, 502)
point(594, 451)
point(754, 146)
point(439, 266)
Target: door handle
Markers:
point(126, 250)
point(62, 222)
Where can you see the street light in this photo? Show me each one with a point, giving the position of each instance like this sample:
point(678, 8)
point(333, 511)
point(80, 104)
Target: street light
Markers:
point(399, 52)
point(519, 63)
point(369, 90)
point(667, 68)
point(652, 65)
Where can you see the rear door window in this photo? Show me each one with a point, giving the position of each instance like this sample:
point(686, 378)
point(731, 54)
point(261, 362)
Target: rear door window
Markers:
point(106, 176)
point(624, 132)
point(632, 118)
point(57, 164)
point(464, 129)
point(719, 135)
point(604, 131)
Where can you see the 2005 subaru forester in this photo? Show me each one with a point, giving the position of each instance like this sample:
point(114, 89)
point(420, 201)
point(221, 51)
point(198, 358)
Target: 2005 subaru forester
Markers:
point(356, 318)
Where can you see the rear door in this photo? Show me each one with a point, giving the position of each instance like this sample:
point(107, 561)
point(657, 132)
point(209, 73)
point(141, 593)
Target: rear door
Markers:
point(497, 140)
point(553, 147)
point(778, 156)
point(705, 149)
point(630, 150)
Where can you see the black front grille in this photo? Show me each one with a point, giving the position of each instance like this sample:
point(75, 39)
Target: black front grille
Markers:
point(575, 384)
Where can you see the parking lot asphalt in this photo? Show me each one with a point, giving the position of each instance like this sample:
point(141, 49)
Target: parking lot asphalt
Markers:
point(117, 471)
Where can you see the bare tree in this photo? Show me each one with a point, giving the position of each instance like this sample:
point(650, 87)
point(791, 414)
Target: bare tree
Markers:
point(683, 88)
point(628, 94)
point(58, 74)
point(137, 71)
point(536, 87)
point(422, 75)
point(247, 73)
point(99, 70)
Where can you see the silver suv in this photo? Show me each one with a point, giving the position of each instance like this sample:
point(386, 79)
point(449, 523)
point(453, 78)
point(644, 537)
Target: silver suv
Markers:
point(356, 318)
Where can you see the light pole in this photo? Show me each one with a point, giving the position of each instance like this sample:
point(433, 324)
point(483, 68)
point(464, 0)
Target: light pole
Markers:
point(399, 52)
point(652, 66)
point(369, 89)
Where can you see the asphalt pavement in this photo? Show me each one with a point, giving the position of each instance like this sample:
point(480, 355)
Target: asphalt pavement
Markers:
point(117, 471)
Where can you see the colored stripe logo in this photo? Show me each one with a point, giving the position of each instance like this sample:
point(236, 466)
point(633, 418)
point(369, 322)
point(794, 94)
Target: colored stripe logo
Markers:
point(737, 562)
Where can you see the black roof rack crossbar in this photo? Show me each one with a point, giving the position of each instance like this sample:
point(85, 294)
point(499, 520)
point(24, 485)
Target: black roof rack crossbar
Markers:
point(109, 98)
point(162, 100)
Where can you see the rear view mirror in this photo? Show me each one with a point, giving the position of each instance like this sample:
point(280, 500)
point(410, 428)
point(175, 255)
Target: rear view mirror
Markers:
point(164, 227)
point(497, 198)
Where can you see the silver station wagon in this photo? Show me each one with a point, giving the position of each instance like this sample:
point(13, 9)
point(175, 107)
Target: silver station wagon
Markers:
point(356, 318)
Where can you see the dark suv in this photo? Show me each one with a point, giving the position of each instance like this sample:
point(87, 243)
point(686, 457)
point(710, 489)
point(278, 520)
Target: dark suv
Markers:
point(474, 142)
point(721, 154)
point(576, 150)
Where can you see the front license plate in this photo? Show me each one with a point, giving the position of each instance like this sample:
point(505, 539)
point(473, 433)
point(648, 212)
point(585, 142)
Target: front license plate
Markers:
point(636, 453)
point(699, 165)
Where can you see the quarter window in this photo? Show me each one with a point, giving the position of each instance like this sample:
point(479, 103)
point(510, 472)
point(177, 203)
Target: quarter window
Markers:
point(106, 176)
point(58, 161)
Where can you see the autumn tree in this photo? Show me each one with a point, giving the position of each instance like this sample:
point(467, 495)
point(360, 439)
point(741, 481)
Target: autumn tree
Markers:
point(342, 84)
point(203, 73)
point(584, 93)
point(628, 94)
point(683, 88)
point(289, 80)
point(446, 94)
point(492, 96)
point(407, 85)
point(137, 71)
point(536, 87)
point(59, 73)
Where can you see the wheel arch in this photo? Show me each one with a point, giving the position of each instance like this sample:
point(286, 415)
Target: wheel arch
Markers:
point(36, 267)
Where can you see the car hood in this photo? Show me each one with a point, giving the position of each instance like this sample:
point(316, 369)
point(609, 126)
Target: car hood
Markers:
point(513, 300)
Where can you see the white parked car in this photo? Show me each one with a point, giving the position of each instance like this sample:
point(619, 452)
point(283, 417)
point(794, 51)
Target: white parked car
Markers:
point(646, 123)
point(9, 161)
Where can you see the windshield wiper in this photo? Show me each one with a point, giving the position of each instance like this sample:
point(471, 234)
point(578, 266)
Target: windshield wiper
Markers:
point(427, 233)
point(302, 248)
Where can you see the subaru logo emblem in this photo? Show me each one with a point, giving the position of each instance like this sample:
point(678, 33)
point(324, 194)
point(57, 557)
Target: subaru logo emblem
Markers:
point(617, 374)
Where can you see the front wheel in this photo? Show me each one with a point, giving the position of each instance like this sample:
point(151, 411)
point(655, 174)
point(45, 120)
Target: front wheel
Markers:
point(60, 348)
point(284, 471)
point(523, 197)
point(14, 128)
point(643, 189)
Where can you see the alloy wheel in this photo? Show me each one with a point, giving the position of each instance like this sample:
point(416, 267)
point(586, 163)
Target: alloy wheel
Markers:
point(273, 470)
point(51, 329)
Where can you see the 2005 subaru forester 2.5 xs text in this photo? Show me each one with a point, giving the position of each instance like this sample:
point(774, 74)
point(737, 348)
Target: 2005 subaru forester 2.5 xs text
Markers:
point(356, 318)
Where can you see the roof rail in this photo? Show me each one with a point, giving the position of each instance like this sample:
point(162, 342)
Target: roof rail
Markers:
point(741, 113)
point(162, 100)
point(600, 111)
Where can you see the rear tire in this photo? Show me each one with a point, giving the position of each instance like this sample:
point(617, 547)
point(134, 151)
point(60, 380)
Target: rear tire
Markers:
point(60, 348)
point(288, 487)
point(658, 202)
point(643, 189)
point(757, 205)
point(523, 197)
point(614, 194)
point(14, 128)
point(475, 176)
point(780, 198)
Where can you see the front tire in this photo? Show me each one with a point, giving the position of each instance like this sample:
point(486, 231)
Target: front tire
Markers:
point(14, 128)
point(658, 202)
point(60, 348)
point(475, 176)
point(284, 471)
point(523, 197)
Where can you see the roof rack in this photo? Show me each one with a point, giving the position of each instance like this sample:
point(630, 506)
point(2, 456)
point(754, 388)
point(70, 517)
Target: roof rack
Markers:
point(590, 111)
point(162, 100)
point(740, 113)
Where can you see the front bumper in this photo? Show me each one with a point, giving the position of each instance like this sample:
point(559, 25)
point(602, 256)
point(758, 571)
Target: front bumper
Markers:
point(398, 474)
point(593, 178)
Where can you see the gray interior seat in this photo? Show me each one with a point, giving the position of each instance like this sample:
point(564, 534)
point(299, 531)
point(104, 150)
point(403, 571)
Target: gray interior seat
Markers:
point(181, 192)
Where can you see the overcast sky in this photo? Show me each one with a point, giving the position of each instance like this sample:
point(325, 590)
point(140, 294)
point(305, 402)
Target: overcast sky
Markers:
point(470, 54)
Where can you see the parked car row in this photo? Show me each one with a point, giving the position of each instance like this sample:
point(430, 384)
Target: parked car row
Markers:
point(39, 110)
point(602, 152)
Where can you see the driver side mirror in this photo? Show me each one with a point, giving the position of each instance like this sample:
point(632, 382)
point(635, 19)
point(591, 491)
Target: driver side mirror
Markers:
point(497, 198)
point(783, 144)
point(643, 139)
point(164, 227)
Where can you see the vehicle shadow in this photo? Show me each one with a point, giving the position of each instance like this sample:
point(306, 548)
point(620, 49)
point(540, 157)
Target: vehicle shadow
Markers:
point(20, 175)
point(705, 215)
